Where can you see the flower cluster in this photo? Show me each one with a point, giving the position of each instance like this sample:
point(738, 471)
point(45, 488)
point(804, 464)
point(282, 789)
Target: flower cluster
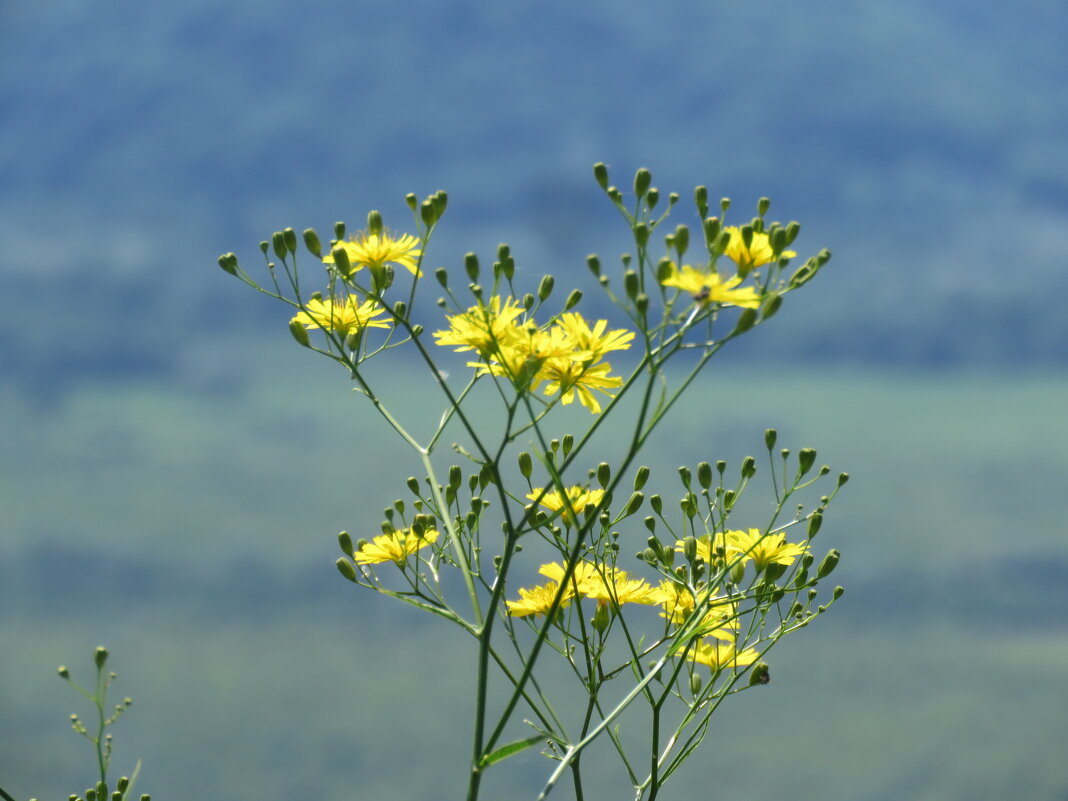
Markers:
point(565, 357)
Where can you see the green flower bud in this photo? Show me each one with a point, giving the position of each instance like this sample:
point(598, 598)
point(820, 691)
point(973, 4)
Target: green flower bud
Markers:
point(601, 618)
point(837, 592)
point(264, 247)
point(344, 541)
point(746, 320)
point(228, 262)
point(688, 504)
point(774, 571)
point(101, 790)
point(649, 555)
point(631, 284)
point(339, 230)
point(353, 340)
point(738, 572)
point(600, 174)
point(684, 475)
point(471, 266)
point(526, 464)
point(594, 264)
point(122, 785)
point(748, 467)
point(278, 244)
point(100, 656)
point(604, 474)
point(374, 222)
point(642, 180)
point(704, 475)
point(573, 299)
point(689, 548)
point(759, 674)
point(641, 234)
point(829, 563)
point(657, 503)
point(814, 524)
point(568, 442)
point(341, 260)
point(456, 476)
point(311, 242)
point(290, 237)
point(652, 196)
point(443, 277)
point(700, 200)
point(399, 308)
point(641, 303)
point(842, 478)
point(805, 459)
point(346, 569)
point(614, 193)
point(545, 288)
point(634, 503)
point(793, 228)
point(440, 199)
point(728, 499)
point(763, 205)
point(695, 683)
point(427, 213)
point(771, 307)
point(664, 268)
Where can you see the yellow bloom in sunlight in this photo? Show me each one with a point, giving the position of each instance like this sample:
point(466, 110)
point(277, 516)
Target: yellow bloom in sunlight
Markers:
point(571, 379)
point(592, 343)
point(395, 547)
point(710, 288)
point(579, 498)
point(343, 316)
point(584, 573)
point(482, 327)
point(763, 550)
point(377, 250)
point(537, 600)
point(704, 547)
point(604, 584)
point(718, 655)
point(759, 251)
point(678, 603)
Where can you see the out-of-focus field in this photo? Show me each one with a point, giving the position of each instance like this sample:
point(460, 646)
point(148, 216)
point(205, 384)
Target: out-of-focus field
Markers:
point(192, 531)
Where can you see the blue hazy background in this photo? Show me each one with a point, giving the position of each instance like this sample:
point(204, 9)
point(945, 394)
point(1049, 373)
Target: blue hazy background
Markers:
point(159, 424)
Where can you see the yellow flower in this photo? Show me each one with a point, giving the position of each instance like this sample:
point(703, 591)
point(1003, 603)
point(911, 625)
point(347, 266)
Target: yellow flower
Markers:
point(759, 251)
point(395, 547)
point(571, 378)
point(537, 600)
point(584, 573)
point(704, 547)
point(710, 288)
point(604, 584)
point(377, 250)
point(481, 327)
point(719, 655)
point(678, 602)
point(343, 316)
point(763, 550)
point(592, 343)
point(579, 496)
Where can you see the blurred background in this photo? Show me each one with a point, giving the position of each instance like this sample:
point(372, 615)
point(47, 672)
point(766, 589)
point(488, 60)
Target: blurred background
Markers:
point(173, 469)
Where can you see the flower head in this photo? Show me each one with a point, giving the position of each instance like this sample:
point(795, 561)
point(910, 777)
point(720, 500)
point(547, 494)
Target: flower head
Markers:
point(718, 655)
point(377, 250)
point(538, 600)
point(604, 584)
point(571, 379)
point(757, 253)
point(394, 547)
point(343, 316)
point(711, 288)
point(763, 549)
point(577, 498)
point(482, 328)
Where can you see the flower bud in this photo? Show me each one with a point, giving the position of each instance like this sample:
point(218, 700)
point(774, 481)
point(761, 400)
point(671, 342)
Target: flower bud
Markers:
point(100, 656)
point(805, 459)
point(63, 672)
point(443, 277)
point(600, 174)
point(695, 683)
point(526, 465)
point(657, 503)
point(774, 571)
point(684, 475)
point(374, 222)
point(341, 260)
point(649, 555)
point(842, 478)
point(829, 563)
point(278, 245)
point(664, 268)
point(311, 242)
point(346, 569)
point(344, 541)
point(471, 266)
point(837, 592)
point(264, 247)
point(228, 262)
point(748, 467)
point(601, 618)
point(440, 199)
point(704, 475)
point(771, 307)
point(634, 503)
point(290, 237)
point(689, 548)
point(641, 303)
point(427, 213)
point(545, 288)
point(759, 674)
point(594, 264)
point(604, 474)
point(814, 524)
point(650, 523)
point(746, 320)
point(573, 299)
point(642, 180)
point(738, 572)
point(688, 504)
point(763, 205)
point(700, 200)
point(339, 230)
point(122, 785)
point(641, 234)
point(631, 284)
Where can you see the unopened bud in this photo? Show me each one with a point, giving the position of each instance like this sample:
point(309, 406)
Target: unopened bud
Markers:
point(684, 475)
point(770, 307)
point(759, 674)
point(642, 180)
point(278, 245)
point(228, 262)
point(600, 174)
point(689, 548)
point(806, 457)
point(601, 618)
point(573, 299)
point(657, 503)
point(374, 222)
point(443, 277)
point(700, 200)
point(842, 478)
point(526, 465)
point(631, 284)
point(814, 524)
point(341, 259)
point(344, 541)
point(346, 568)
point(545, 288)
point(695, 683)
point(837, 592)
point(652, 196)
point(594, 264)
point(471, 266)
point(290, 237)
point(746, 320)
point(427, 213)
point(634, 503)
point(829, 563)
point(100, 656)
point(748, 467)
point(704, 475)
point(311, 242)
point(738, 572)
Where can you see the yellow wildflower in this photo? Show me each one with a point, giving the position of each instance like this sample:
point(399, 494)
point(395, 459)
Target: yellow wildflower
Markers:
point(604, 584)
point(537, 600)
point(570, 378)
point(343, 316)
point(759, 251)
point(718, 655)
point(704, 547)
point(763, 549)
point(377, 250)
point(592, 343)
point(482, 327)
point(579, 498)
point(711, 288)
point(395, 547)
point(584, 573)
point(678, 602)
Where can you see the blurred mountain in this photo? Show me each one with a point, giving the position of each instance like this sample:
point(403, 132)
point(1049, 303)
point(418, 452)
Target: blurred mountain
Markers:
point(926, 144)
